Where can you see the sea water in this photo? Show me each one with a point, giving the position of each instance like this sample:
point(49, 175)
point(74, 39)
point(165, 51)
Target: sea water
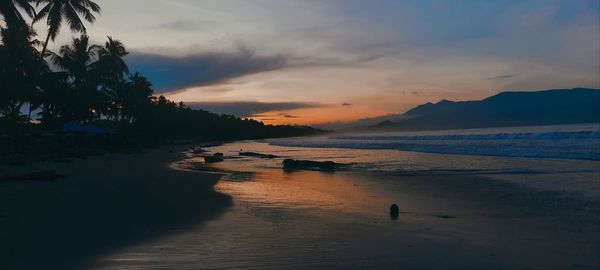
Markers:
point(562, 142)
point(548, 158)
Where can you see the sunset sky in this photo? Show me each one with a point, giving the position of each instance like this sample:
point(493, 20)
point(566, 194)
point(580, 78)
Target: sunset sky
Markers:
point(310, 62)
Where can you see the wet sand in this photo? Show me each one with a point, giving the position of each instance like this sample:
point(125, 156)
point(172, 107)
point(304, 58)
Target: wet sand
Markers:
point(153, 217)
point(103, 204)
point(340, 220)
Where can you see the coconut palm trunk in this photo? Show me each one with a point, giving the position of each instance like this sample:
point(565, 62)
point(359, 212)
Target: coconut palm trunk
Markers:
point(45, 48)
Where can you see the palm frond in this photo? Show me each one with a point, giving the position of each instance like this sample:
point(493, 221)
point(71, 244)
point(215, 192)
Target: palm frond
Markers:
point(91, 5)
point(87, 14)
point(42, 13)
point(25, 6)
point(55, 19)
point(73, 20)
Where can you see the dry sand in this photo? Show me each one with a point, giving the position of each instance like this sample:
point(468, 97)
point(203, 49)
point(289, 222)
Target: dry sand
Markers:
point(103, 204)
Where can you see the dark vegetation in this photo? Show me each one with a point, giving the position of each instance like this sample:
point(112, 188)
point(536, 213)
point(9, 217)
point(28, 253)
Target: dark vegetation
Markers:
point(90, 84)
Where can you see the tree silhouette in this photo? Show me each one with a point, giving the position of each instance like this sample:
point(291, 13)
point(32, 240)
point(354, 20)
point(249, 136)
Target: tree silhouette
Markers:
point(20, 62)
point(110, 70)
point(110, 60)
point(9, 9)
point(134, 96)
point(76, 60)
point(57, 100)
point(15, 55)
point(94, 83)
point(68, 10)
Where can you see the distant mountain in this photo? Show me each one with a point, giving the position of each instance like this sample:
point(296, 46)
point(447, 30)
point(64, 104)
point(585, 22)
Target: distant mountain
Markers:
point(548, 107)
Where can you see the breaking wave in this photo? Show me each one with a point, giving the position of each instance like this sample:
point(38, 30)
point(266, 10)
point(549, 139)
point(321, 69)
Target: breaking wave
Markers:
point(561, 144)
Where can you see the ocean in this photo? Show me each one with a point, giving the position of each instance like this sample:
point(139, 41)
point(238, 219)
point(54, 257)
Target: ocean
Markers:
point(547, 158)
point(560, 142)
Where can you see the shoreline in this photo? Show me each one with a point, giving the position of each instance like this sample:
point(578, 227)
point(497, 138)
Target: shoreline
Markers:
point(469, 221)
point(143, 210)
point(103, 204)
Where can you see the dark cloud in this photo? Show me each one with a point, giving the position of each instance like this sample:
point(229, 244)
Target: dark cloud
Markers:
point(169, 73)
point(346, 104)
point(500, 77)
point(246, 109)
point(290, 116)
point(172, 73)
point(186, 25)
point(317, 61)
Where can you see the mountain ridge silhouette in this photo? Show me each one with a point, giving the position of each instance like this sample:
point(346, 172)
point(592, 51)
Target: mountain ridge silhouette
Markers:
point(508, 108)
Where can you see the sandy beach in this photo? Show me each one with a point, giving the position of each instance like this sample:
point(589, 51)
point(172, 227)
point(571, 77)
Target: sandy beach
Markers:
point(102, 204)
point(340, 220)
point(294, 135)
point(163, 209)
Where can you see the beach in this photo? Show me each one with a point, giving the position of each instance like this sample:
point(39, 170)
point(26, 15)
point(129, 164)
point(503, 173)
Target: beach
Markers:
point(449, 219)
point(103, 204)
point(165, 209)
point(293, 135)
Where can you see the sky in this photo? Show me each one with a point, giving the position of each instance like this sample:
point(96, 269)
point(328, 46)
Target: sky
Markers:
point(330, 61)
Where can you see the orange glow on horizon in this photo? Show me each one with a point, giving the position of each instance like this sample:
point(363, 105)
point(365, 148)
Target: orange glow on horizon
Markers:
point(318, 115)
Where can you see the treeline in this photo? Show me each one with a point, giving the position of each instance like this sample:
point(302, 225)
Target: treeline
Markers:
point(91, 83)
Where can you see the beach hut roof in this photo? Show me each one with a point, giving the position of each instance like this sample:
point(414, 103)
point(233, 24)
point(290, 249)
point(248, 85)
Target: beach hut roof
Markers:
point(76, 127)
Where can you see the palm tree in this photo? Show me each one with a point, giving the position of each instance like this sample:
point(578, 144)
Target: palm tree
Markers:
point(76, 60)
point(68, 10)
point(20, 62)
point(110, 70)
point(57, 98)
point(135, 94)
point(17, 62)
point(9, 9)
point(110, 60)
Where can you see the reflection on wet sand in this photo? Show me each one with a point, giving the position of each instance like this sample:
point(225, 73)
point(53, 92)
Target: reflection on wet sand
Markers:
point(340, 220)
